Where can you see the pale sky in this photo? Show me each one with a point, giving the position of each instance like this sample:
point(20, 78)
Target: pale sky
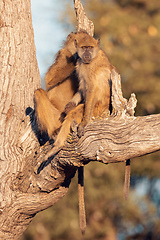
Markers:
point(48, 31)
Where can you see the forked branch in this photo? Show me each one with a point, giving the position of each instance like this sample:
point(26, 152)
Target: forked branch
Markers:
point(117, 138)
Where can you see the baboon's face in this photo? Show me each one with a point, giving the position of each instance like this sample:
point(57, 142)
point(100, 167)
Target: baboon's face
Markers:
point(87, 48)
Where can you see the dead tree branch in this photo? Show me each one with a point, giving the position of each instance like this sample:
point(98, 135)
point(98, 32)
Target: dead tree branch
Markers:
point(29, 184)
point(117, 138)
point(83, 23)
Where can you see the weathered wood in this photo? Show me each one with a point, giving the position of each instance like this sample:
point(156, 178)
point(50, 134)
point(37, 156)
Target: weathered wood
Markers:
point(120, 105)
point(19, 214)
point(20, 77)
point(117, 139)
point(83, 23)
point(113, 140)
point(29, 185)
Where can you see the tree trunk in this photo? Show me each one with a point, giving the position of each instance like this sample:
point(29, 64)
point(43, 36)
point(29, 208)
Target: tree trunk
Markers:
point(19, 79)
point(29, 185)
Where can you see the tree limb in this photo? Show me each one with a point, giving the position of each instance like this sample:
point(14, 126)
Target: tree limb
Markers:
point(28, 184)
point(117, 138)
point(82, 20)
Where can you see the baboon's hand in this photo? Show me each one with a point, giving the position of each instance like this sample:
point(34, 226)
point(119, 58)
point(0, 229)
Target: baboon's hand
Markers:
point(69, 107)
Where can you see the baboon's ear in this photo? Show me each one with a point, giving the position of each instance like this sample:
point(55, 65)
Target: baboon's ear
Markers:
point(75, 43)
point(70, 36)
point(98, 42)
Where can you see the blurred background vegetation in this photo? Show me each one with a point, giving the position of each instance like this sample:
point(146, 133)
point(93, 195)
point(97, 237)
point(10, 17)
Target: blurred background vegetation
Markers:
point(130, 35)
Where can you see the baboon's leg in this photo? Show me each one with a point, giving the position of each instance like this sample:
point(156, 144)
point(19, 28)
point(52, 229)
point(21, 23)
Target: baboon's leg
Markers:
point(47, 115)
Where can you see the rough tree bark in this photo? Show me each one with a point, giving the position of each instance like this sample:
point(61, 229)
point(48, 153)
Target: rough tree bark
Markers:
point(27, 184)
point(19, 76)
